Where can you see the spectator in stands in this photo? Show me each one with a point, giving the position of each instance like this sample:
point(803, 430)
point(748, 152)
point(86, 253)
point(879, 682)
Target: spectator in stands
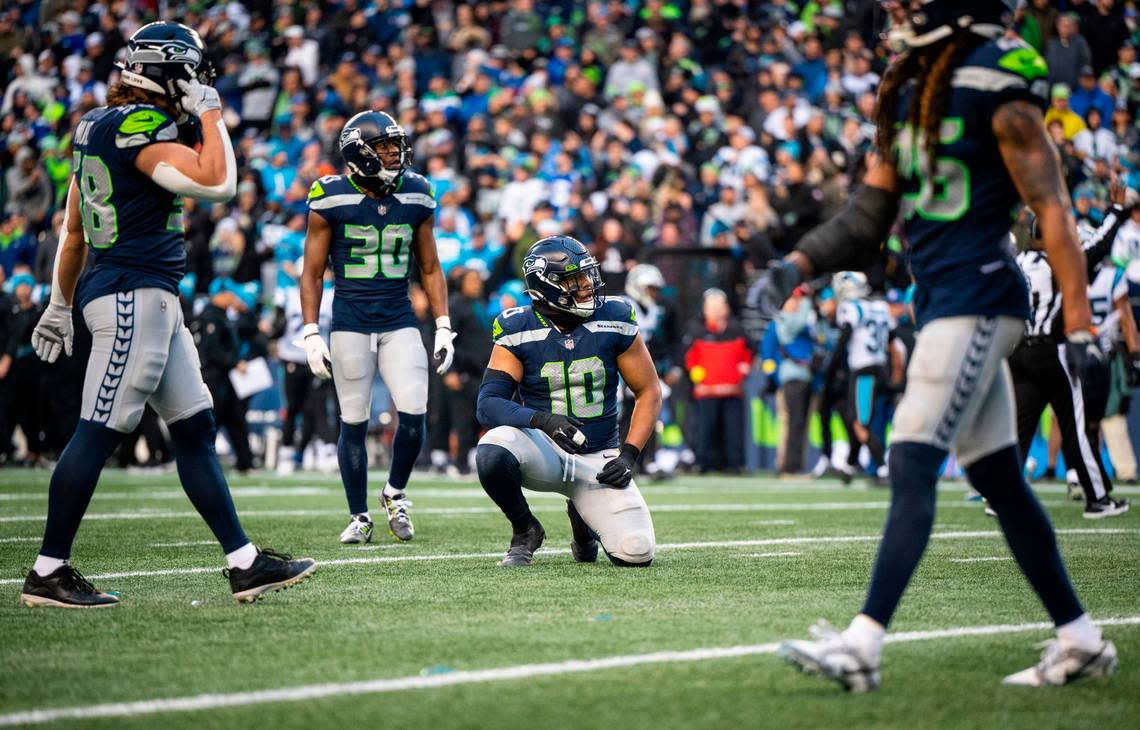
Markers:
point(718, 359)
point(1068, 52)
point(1088, 95)
point(30, 191)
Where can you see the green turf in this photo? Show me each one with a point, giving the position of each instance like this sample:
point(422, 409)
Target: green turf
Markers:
point(402, 618)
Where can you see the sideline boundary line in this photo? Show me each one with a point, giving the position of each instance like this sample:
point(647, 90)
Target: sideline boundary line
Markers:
point(449, 679)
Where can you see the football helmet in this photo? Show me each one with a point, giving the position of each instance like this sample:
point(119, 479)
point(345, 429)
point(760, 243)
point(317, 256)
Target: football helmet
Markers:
point(161, 54)
point(929, 21)
point(638, 282)
point(562, 278)
point(849, 285)
point(358, 141)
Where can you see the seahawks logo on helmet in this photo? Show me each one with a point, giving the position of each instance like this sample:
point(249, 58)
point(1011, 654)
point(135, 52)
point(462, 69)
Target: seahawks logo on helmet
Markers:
point(358, 141)
point(562, 278)
point(534, 265)
point(161, 54)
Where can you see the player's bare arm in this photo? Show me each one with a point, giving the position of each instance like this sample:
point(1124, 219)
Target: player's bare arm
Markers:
point(639, 373)
point(435, 286)
point(1035, 168)
point(209, 174)
point(53, 334)
point(1128, 326)
point(318, 239)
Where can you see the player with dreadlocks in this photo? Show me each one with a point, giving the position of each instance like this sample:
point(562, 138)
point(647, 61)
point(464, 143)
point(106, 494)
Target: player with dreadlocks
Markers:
point(962, 141)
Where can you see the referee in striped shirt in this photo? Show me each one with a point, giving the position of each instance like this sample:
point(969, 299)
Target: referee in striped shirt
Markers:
point(1041, 374)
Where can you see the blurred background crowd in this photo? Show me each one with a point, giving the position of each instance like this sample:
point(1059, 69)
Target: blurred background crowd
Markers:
point(694, 140)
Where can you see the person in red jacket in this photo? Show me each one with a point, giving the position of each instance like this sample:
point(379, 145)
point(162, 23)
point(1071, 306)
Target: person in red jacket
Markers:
point(718, 360)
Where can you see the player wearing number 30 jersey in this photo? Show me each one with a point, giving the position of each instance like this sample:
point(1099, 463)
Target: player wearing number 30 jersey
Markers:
point(373, 223)
point(563, 355)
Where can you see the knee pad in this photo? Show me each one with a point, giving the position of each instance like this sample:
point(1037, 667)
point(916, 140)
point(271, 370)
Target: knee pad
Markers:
point(199, 428)
point(497, 462)
point(634, 551)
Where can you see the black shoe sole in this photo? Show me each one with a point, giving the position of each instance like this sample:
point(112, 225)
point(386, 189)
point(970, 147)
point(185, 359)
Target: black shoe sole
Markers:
point(250, 595)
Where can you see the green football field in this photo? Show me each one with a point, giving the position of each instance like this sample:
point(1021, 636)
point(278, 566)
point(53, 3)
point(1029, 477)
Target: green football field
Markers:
point(432, 634)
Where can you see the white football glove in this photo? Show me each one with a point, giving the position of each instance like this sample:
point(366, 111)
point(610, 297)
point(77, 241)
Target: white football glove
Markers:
point(317, 352)
point(53, 333)
point(444, 351)
point(197, 99)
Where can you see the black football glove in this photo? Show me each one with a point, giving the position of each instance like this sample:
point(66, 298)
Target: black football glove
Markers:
point(1082, 353)
point(563, 429)
point(783, 278)
point(619, 470)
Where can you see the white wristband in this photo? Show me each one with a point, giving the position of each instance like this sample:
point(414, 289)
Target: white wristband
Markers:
point(312, 328)
point(443, 323)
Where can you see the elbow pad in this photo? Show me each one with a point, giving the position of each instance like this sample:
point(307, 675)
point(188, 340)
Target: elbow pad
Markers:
point(495, 406)
point(853, 238)
point(172, 179)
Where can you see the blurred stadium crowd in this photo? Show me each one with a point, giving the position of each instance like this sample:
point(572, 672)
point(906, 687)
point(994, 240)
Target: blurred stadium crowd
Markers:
point(699, 138)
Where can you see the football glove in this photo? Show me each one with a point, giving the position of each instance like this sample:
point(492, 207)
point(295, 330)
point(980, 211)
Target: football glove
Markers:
point(197, 99)
point(563, 429)
point(783, 278)
point(53, 333)
point(444, 350)
point(618, 471)
point(1082, 353)
point(317, 352)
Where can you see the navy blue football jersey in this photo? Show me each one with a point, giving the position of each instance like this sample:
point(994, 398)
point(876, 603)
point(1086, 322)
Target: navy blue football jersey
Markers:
point(132, 226)
point(573, 373)
point(957, 219)
point(371, 251)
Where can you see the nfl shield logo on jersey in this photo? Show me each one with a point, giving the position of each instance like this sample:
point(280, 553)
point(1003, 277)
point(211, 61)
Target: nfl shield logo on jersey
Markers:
point(383, 209)
point(568, 343)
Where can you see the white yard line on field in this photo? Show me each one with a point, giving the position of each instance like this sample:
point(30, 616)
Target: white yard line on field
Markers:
point(190, 543)
point(19, 539)
point(301, 693)
point(706, 545)
point(705, 507)
point(989, 559)
point(775, 555)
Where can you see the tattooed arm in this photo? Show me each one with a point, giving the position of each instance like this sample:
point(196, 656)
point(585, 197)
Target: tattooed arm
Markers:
point(1035, 168)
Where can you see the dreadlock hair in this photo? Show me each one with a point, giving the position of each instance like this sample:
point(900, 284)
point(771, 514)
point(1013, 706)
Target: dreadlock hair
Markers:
point(121, 94)
point(931, 68)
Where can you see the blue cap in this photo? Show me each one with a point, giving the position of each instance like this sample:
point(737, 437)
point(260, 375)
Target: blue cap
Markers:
point(895, 296)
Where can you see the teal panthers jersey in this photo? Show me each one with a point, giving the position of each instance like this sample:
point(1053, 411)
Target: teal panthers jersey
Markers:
point(371, 251)
point(572, 373)
point(132, 226)
point(957, 220)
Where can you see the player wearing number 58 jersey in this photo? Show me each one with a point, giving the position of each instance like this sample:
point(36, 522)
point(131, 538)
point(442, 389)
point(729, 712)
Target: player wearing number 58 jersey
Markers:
point(563, 355)
point(124, 210)
point(372, 224)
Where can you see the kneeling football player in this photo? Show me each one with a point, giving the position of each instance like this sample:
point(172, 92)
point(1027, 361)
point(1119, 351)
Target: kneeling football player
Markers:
point(564, 355)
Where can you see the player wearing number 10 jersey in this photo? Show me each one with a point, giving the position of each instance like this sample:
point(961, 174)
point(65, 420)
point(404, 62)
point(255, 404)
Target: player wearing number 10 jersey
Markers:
point(564, 355)
point(372, 223)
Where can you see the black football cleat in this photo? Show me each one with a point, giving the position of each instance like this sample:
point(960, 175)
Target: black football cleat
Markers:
point(584, 545)
point(271, 571)
point(1106, 506)
point(64, 588)
point(524, 545)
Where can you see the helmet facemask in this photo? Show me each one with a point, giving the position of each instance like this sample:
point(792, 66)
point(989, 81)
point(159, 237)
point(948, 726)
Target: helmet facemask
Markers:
point(576, 292)
point(376, 162)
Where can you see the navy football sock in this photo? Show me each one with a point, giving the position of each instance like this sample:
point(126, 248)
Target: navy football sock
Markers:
point(501, 478)
point(914, 475)
point(999, 479)
point(202, 478)
point(72, 484)
point(353, 457)
point(406, 445)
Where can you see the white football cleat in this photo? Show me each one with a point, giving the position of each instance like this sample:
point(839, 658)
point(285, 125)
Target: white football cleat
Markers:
point(359, 530)
point(829, 655)
point(1063, 662)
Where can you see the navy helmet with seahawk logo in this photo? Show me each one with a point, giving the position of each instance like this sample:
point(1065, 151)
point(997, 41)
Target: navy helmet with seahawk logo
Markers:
point(562, 277)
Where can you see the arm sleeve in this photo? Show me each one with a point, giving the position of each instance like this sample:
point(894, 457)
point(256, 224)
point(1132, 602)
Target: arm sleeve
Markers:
point(1099, 245)
point(496, 406)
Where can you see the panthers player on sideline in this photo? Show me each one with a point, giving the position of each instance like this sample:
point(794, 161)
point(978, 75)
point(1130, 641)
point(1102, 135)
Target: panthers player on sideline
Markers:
point(563, 355)
point(865, 327)
point(372, 222)
point(124, 204)
point(962, 134)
